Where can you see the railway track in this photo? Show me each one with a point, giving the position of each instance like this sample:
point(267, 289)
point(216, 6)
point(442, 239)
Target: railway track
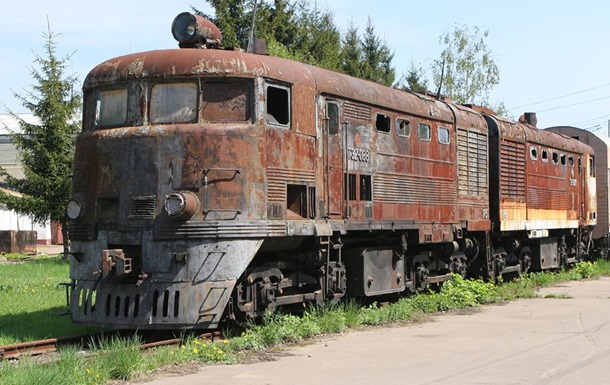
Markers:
point(46, 346)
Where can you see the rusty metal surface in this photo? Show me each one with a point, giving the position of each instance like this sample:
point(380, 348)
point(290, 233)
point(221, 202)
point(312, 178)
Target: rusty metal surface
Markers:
point(598, 201)
point(540, 184)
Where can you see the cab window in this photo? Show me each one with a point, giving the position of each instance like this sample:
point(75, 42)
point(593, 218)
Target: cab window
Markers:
point(110, 108)
point(226, 101)
point(173, 103)
point(277, 105)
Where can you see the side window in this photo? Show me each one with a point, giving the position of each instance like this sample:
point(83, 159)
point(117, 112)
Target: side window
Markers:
point(277, 105)
point(555, 158)
point(563, 160)
point(226, 102)
point(403, 127)
point(111, 108)
point(366, 191)
point(545, 156)
point(425, 133)
point(173, 103)
point(534, 153)
point(383, 123)
point(332, 113)
point(443, 135)
point(350, 187)
point(592, 166)
point(571, 161)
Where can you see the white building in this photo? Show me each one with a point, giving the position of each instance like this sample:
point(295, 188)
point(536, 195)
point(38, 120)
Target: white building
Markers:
point(9, 160)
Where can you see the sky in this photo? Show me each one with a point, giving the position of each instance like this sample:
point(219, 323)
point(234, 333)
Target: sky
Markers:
point(553, 56)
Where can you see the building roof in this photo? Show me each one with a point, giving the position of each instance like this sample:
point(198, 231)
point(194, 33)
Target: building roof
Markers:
point(8, 124)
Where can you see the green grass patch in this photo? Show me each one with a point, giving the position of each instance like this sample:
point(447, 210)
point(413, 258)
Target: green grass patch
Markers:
point(32, 301)
point(14, 256)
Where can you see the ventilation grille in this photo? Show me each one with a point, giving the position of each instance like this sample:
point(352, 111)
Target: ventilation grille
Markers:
point(512, 170)
point(278, 178)
point(82, 232)
point(472, 163)
point(143, 207)
point(357, 112)
point(162, 304)
point(411, 189)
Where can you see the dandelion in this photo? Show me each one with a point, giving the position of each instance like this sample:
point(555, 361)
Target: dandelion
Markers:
point(195, 350)
point(197, 342)
point(225, 341)
point(183, 347)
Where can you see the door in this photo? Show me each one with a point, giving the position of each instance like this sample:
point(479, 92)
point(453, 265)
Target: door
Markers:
point(333, 159)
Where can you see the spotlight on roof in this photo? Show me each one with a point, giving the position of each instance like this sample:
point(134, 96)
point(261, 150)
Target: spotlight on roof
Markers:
point(194, 31)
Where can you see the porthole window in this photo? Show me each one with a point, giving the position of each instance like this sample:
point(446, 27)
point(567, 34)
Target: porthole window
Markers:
point(534, 153)
point(443, 135)
point(555, 158)
point(425, 132)
point(403, 127)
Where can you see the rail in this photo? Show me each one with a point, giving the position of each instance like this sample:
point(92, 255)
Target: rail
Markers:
point(39, 347)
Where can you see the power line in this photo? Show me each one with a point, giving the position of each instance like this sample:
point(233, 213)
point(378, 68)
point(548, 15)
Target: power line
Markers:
point(590, 120)
point(560, 97)
point(573, 104)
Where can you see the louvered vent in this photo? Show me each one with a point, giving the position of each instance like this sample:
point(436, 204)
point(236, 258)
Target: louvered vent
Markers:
point(357, 112)
point(512, 170)
point(143, 207)
point(472, 163)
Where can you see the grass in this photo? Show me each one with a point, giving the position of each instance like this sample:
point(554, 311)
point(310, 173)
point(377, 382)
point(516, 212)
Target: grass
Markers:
point(120, 359)
point(32, 301)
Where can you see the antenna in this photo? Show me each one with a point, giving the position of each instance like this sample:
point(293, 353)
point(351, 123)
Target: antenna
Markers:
point(250, 47)
point(440, 85)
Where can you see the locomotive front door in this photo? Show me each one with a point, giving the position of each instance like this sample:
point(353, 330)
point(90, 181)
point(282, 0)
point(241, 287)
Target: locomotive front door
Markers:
point(333, 143)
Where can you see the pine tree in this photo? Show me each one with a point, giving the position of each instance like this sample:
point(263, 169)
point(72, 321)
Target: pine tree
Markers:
point(415, 79)
point(351, 52)
point(233, 18)
point(377, 57)
point(45, 149)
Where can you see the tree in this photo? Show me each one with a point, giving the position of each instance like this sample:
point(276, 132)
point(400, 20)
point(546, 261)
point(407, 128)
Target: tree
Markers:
point(317, 35)
point(470, 71)
point(377, 57)
point(45, 149)
point(233, 18)
point(351, 52)
point(415, 79)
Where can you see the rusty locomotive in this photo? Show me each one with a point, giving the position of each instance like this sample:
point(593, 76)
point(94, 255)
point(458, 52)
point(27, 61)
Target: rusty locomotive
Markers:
point(213, 184)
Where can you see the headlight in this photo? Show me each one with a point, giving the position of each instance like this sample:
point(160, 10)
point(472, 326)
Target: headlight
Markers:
point(182, 204)
point(192, 31)
point(74, 209)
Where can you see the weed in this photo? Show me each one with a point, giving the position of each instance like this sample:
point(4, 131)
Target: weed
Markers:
point(558, 296)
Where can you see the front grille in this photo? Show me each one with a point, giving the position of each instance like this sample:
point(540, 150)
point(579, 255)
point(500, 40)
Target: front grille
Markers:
point(143, 207)
point(120, 305)
point(82, 231)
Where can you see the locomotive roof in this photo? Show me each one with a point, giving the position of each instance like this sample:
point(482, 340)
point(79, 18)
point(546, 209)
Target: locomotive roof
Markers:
point(207, 62)
point(532, 134)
